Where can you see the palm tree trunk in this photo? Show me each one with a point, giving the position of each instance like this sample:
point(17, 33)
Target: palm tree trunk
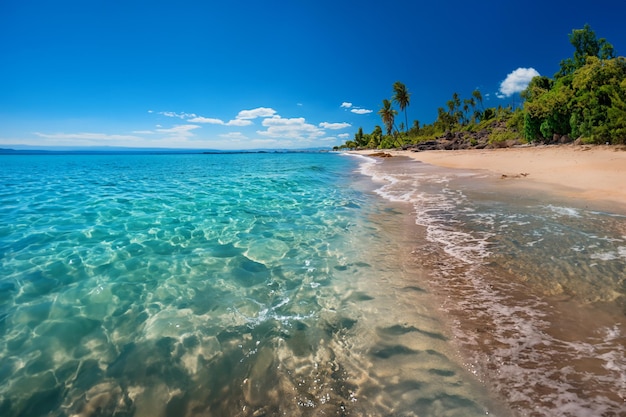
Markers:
point(406, 121)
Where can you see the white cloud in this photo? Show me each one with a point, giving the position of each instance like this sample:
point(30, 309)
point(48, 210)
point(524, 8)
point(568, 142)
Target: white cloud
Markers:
point(239, 122)
point(356, 110)
point(175, 137)
point(200, 119)
point(214, 121)
point(294, 128)
point(343, 135)
point(178, 115)
point(517, 81)
point(334, 126)
point(234, 135)
point(281, 121)
point(276, 130)
point(179, 131)
point(87, 136)
point(258, 112)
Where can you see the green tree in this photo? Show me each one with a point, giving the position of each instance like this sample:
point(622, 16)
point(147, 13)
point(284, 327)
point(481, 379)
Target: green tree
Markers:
point(402, 97)
point(445, 120)
point(535, 112)
point(415, 129)
point(457, 100)
point(479, 98)
point(598, 92)
point(388, 115)
point(454, 110)
point(552, 109)
point(350, 144)
point(617, 114)
point(359, 138)
point(467, 104)
point(376, 137)
point(585, 44)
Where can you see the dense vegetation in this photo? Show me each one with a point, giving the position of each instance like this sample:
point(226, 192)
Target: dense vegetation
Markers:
point(586, 100)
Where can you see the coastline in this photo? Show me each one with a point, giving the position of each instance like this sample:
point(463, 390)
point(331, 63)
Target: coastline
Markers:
point(528, 282)
point(593, 174)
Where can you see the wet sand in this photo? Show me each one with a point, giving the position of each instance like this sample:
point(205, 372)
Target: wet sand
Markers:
point(525, 275)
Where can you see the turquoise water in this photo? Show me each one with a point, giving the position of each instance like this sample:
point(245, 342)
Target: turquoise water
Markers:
point(302, 285)
point(211, 285)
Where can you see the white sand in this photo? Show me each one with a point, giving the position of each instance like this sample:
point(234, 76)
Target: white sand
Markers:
point(585, 172)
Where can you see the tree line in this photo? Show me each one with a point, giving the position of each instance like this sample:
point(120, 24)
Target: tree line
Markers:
point(585, 99)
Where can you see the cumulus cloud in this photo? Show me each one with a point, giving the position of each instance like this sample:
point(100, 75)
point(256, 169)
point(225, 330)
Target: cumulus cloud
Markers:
point(239, 122)
point(290, 128)
point(234, 136)
point(174, 114)
point(200, 119)
point(354, 109)
point(343, 135)
point(516, 81)
point(282, 121)
point(258, 112)
point(334, 126)
point(275, 128)
point(179, 131)
point(214, 121)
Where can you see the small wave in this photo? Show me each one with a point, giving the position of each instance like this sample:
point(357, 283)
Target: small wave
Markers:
point(518, 342)
point(620, 253)
point(563, 211)
point(435, 206)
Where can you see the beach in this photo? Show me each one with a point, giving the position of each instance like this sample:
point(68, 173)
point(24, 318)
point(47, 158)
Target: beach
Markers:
point(219, 284)
point(524, 250)
point(305, 284)
point(591, 173)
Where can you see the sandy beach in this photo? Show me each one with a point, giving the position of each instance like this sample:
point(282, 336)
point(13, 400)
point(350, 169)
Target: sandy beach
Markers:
point(594, 173)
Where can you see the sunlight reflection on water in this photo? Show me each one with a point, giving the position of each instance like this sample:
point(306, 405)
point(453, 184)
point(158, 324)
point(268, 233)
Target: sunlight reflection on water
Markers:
point(153, 285)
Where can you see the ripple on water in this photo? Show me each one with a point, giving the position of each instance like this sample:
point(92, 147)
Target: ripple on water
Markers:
point(238, 287)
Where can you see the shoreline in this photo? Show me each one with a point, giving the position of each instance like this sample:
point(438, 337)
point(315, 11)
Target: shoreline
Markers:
point(525, 287)
point(594, 174)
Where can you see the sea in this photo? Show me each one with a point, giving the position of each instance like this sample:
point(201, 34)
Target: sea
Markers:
point(303, 284)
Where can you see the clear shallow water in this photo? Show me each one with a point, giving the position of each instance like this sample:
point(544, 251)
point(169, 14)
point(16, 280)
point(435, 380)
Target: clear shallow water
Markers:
point(535, 287)
point(210, 285)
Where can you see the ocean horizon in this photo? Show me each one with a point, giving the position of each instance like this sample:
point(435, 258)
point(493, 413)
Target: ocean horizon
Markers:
point(60, 150)
point(301, 283)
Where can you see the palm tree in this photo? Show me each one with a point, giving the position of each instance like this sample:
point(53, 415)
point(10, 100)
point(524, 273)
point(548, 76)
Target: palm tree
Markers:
point(376, 136)
point(402, 97)
point(388, 115)
point(457, 100)
point(479, 97)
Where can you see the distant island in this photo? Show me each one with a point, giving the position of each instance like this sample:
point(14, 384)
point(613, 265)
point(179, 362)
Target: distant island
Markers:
point(585, 102)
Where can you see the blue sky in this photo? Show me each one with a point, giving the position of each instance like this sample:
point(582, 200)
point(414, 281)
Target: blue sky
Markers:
point(274, 74)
